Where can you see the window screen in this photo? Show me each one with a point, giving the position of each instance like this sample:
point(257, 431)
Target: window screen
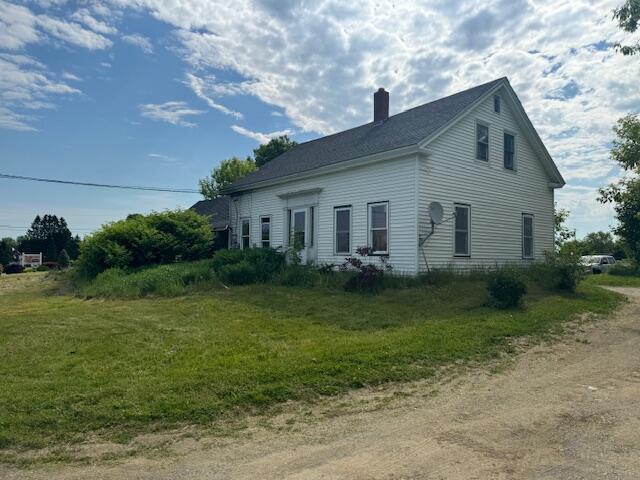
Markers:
point(462, 223)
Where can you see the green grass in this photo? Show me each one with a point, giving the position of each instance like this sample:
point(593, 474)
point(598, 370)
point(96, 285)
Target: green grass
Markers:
point(606, 279)
point(74, 368)
point(164, 281)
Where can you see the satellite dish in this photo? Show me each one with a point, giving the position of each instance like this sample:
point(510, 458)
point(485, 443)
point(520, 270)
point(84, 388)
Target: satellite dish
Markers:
point(435, 212)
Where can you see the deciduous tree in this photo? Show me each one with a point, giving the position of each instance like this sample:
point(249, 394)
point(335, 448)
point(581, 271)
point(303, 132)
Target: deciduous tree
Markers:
point(226, 173)
point(563, 233)
point(625, 194)
point(628, 18)
point(270, 150)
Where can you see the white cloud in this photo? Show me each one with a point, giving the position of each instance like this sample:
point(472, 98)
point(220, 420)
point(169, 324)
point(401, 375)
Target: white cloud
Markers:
point(84, 16)
point(170, 112)
point(17, 26)
point(204, 87)
point(586, 213)
point(73, 33)
point(319, 62)
point(143, 43)
point(10, 120)
point(71, 76)
point(257, 136)
point(162, 158)
point(25, 86)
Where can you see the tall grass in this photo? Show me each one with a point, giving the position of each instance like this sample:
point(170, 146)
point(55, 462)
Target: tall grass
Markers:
point(180, 278)
point(163, 281)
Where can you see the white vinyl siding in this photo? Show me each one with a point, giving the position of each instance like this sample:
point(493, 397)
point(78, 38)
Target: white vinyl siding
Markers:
point(445, 173)
point(379, 228)
point(392, 180)
point(342, 228)
point(498, 196)
point(527, 235)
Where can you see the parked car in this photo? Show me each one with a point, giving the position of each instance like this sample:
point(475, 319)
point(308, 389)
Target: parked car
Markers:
point(597, 263)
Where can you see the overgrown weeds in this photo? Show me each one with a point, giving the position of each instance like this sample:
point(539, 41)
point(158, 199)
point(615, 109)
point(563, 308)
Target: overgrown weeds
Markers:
point(162, 281)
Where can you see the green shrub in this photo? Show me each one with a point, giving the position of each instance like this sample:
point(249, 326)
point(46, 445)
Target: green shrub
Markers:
point(624, 270)
point(370, 280)
point(557, 273)
point(144, 240)
point(42, 268)
point(369, 277)
point(164, 280)
point(63, 259)
point(299, 276)
point(241, 273)
point(264, 264)
point(506, 290)
point(13, 268)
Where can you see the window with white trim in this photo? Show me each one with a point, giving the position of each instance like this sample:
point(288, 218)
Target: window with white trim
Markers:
point(527, 235)
point(342, 229)
point(265, 231)
point(379, 228)
point(312, 225)
point(482, 142)
point(461, 241)
point(509, 154)
point(246, 242)
point(496, 103)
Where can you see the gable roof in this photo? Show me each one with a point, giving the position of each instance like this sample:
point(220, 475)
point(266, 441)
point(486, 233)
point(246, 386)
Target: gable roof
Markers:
point(404, 129)
point(217, 210)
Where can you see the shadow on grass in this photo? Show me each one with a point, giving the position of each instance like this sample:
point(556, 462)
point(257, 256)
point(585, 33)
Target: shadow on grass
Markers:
point(351, 311)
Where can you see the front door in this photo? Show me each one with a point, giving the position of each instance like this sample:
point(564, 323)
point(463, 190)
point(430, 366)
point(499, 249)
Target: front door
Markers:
point(299, 232)
point(302, 232)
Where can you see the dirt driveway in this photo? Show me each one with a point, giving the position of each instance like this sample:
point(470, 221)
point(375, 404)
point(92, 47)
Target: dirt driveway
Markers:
point(566, 411)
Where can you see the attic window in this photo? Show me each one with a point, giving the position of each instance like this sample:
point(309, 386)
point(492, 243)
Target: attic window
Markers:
point(482, 142)
point(496, 103)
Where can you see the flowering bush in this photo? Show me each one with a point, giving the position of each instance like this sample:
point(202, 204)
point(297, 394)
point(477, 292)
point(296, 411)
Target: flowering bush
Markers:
point(370, 277)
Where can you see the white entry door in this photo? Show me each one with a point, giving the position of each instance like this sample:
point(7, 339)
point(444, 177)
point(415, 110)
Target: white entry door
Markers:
point(301, 233)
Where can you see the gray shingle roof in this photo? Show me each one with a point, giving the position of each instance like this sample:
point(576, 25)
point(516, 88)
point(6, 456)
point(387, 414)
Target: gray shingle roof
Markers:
point(400, 130)
point(217, 210)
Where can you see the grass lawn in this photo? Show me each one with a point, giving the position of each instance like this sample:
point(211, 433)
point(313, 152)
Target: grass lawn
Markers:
point(74, 368)
point(613, 280)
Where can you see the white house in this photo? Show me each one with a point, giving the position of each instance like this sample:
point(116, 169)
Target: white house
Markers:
point(475, 152)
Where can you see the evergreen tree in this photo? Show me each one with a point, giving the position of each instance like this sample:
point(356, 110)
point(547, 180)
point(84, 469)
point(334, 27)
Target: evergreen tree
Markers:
point(73, 247)
point(50, 253)
point(6, 246)
point(48, 234)
point(63, 259)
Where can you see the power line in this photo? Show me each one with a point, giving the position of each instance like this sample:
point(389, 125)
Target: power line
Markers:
point(101, 185)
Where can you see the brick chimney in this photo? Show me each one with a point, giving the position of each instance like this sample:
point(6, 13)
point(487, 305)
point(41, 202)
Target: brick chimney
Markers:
point(380, 105)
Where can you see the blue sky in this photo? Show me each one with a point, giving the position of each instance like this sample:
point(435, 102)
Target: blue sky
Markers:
point(146, 92)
